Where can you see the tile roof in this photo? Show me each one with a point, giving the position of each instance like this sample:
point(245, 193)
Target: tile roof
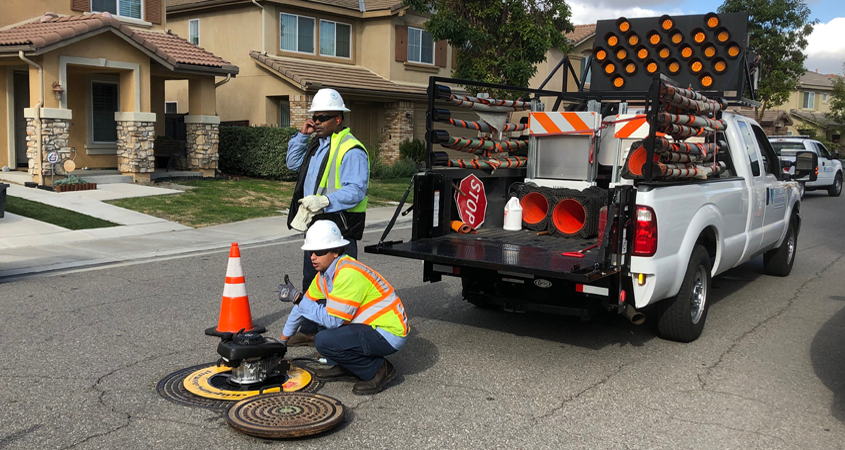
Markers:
point(581, 33)
point(51, 29)
point(769, 116)
point(343, 77)
point(369, 5)
point(816, 79)
point(814, 117)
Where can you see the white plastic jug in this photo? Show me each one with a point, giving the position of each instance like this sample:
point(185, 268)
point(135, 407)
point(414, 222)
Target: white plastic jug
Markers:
point(513, 215)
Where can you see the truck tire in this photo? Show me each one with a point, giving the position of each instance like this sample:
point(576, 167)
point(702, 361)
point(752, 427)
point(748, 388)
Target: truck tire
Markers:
point(836, 189)
point(681, 318)
point(778, 261)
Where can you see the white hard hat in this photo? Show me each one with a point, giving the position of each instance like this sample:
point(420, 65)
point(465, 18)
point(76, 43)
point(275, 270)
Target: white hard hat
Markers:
point(328, 100)
point(323, 235)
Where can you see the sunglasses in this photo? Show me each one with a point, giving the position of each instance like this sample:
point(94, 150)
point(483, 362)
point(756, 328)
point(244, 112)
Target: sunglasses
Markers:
point(323, 118)
point(319, 252)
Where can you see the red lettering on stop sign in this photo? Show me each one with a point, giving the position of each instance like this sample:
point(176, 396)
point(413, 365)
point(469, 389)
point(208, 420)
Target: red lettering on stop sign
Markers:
point(472, 208)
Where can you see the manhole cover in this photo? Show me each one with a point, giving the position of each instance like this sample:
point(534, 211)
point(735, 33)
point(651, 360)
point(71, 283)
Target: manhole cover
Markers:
point(285, 415)
point(172, 387)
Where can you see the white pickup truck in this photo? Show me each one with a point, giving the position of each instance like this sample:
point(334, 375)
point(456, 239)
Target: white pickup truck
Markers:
point(676, 235)
point(830, 167)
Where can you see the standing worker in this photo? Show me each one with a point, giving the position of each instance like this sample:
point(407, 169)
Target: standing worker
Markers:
point(363, 319)
point(333, 176)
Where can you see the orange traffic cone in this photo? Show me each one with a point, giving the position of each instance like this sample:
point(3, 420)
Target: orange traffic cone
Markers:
point(234, 312)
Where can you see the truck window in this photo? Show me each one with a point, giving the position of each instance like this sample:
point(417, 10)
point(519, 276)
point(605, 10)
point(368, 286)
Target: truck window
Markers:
point(788, 147)
point(823, 152)
point(750, 149)
point(770, 159)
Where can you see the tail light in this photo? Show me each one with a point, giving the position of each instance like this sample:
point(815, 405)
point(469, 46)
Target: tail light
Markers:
point(645, 232)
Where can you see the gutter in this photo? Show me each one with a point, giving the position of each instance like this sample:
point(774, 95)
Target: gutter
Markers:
point(37, 113)
point(221, 83)
point(263, 33)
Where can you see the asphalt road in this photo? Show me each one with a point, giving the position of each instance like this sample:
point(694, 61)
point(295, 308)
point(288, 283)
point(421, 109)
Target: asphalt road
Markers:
point(83, 352)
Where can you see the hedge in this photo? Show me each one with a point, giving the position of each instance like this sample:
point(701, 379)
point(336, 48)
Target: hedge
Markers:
point(258, 152)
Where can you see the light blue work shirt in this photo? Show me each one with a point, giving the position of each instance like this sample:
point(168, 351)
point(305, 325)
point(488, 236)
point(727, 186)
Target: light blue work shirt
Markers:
point(354, 172)
point(315, 312)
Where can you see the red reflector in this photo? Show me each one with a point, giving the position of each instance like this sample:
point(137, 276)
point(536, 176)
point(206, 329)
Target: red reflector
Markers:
point(622, 297)
point(579, 288)
point(645, 232)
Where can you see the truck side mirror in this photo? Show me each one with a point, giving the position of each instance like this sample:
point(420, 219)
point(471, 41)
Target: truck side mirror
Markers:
point(807, 163)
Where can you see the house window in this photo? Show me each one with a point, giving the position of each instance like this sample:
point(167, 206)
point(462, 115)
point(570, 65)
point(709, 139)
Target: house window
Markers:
point(335, 39)
point(296, 33)
point(420, 46)
point(125, 8)
point(824, 98)
point(284, 113)
point(104, 103)
point(171, 107)
point(809, 100)
point(194, 31)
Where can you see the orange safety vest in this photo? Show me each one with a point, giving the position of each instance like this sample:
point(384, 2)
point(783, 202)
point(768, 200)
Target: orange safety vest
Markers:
point(360, 295)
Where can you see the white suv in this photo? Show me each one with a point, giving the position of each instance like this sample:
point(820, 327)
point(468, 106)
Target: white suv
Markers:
point(830, 168)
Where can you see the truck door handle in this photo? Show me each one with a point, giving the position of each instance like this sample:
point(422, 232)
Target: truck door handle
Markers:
point(767, 196)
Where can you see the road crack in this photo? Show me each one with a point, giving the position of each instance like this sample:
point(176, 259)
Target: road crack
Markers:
point(583, 391)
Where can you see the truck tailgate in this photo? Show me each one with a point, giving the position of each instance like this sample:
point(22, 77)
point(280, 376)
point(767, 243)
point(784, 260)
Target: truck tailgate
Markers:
point(509, 251)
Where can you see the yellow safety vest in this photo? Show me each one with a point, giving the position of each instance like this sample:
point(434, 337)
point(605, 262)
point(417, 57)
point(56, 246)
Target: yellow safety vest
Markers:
point(340, 144)
point(360, 295)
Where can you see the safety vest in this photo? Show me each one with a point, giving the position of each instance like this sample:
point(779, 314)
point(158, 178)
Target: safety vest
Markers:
point(360, 295)
point(340, 144)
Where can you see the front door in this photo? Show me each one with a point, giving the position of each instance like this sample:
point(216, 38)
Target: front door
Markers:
point(21, 81)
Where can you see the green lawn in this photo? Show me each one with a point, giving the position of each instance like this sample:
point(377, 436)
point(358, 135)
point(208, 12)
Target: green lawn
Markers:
point(213, 202)
point(57, 216)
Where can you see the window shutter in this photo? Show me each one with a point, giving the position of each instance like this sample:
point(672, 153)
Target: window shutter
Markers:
point(440, 53)
point(401, 43)
point(454, 58)
point(152, 11)
point(80, 5)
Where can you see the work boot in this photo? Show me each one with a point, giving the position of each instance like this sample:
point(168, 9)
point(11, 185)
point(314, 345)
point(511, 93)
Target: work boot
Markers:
point(374, 386)
point(301, 340)
point(335, 373)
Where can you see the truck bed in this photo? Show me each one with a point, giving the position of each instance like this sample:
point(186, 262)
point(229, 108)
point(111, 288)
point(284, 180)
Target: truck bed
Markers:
point(509, 251)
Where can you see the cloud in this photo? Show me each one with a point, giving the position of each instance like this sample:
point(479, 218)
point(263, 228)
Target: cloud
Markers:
point(826, 48)
point(588, 13)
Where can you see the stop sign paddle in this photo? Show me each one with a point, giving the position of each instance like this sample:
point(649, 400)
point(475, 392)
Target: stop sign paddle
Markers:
point(471, 201)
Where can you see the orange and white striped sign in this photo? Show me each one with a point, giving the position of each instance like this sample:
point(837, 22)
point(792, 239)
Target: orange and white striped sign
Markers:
point(630, 126)
point(568, 122)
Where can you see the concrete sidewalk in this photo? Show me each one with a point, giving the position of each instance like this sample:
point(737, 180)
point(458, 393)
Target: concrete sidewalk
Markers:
point(29, 247)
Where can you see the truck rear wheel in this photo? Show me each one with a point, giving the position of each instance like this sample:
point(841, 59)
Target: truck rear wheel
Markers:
point(836, 188)
point(778, 262)
point(681, 318)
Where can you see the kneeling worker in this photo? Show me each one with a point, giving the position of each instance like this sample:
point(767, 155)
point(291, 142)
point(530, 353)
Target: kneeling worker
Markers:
point(364, 319)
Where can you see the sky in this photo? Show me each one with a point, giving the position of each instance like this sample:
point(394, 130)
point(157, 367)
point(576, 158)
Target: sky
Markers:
point(825, 49)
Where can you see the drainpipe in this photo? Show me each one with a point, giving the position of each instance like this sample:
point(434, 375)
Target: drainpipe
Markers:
point(263, 35)
point(221, 83)
point(37, 113)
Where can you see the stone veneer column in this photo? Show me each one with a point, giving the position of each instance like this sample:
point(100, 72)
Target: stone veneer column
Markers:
point(203, 135)
point(399, 127)
point(135, 144)
point(299, 105)
point(55, 132)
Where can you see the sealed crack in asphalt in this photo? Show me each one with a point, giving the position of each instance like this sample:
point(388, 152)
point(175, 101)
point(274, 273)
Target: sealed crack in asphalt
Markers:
point(128, 417)
point(720, 425)
point(707, 370)
point(587, 389)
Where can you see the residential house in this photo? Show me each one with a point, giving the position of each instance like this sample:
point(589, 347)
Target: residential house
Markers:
point(374, 52)
point(85, 80)
point(808, 104)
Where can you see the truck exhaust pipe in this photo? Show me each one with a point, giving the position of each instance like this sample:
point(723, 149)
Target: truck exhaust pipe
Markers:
point(636, 317)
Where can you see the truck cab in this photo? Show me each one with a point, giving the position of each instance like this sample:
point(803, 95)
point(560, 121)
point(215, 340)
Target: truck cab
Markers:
point(830, 167)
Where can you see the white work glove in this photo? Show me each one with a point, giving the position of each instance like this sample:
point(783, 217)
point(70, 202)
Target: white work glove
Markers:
point(315, 203)
point(302, 219)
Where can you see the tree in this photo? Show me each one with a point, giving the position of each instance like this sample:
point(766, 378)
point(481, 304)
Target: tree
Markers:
point(778, 31)
point(499, 41)
point(837, 104)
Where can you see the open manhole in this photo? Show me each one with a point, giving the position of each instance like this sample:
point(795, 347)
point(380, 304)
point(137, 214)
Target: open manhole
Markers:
point(215, 393)
point(284, 415)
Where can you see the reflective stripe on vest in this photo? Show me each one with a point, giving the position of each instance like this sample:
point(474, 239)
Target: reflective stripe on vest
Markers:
point(369, 311)
point(340, 144)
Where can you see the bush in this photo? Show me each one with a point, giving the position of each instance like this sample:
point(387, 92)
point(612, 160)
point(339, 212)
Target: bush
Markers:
point(381, 170)
point(258, 152)
point(414, 150)
point(71, 179)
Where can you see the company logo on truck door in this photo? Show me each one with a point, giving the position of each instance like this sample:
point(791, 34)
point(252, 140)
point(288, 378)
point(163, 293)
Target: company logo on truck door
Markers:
point(471, 200)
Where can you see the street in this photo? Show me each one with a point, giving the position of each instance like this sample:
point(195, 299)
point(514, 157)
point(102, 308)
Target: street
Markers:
point(84, 351)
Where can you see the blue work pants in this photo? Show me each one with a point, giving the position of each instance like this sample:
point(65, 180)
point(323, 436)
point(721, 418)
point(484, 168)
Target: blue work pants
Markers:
point(357, 347)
